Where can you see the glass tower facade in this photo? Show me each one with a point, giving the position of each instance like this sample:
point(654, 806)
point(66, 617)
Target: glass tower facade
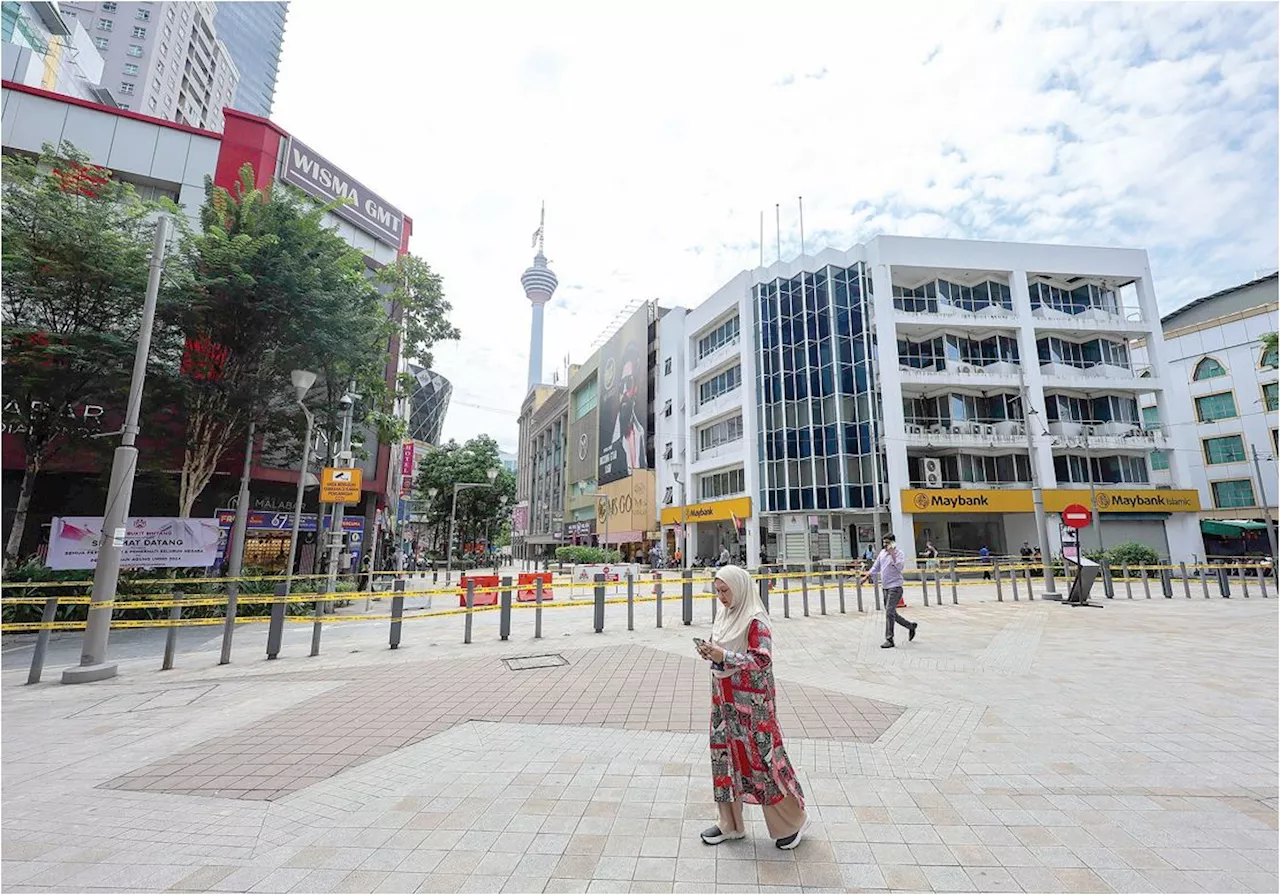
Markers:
point(815, 349)
point(254, 34)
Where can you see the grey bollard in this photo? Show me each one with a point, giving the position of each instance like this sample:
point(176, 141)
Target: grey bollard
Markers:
point(1186, 582)
point(1108, 586)
point(171, 636)
point(397, 612)
point(840, 591)
point(1262, 581)
point(686, 598)
point(1204, 582)
point(1146, 582)
point(786, 597)
point(955, 584)
point(764, 591)
point(999, 587)
point(47, 616)
point(1128, 580)
point(537, 609)
point(1244, 581)
point(937, 585)
point(1224, 583)
point(657, 596)
point(1026, 579)
point(599, 607)
point(1166, 581)
point(275, 628)
point(504, 609)
point(804, 592)
point(924, 585)
point(1013, 582)
point(876, 587)
point(631, 601)
point(822, 594)
point(471, 605)
point(318, 624)
point(857, 588)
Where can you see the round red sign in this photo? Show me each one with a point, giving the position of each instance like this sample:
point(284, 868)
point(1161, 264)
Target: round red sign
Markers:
point(1076, 516)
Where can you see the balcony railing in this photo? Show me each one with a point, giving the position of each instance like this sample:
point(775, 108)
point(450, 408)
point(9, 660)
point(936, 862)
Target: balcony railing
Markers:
point(976, 430)
point(1095, 370)
point(951, 309)
point(956, 485)
point(1091, 315)
point(966, 368)
point(718, 354)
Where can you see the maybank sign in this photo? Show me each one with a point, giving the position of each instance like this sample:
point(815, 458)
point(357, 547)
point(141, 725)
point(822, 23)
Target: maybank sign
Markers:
point(716, 511)
point(930, 500)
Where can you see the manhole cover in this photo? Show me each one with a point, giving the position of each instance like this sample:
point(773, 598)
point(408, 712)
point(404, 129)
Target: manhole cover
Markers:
point(528, 663)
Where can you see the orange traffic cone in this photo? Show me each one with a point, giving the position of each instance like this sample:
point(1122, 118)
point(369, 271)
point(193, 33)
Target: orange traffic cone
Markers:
point(902, 604)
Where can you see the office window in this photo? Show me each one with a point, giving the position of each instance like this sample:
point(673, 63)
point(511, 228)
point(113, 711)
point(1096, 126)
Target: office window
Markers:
point(1271, 395)
point(170, 14)
point(1232, 494)
point(139, 32)
point(1220, 406)
point(159, 67)
point(126, 87)
point(666, 367)
point(135, 51)
point(668, 498)
point(666, 408)
point(130, 68)
point(110, 7)
point(722, 484)
point(143, 15)
point(720, 384)
point(1270, 358)
point(152, 102)
point(1227, 449)
point(164, 48)
point(723, 432)
point(101, 43)
point(168, 31)
point(670, 449)
point(105, 24)
point(1151, 417)
point(1209, 368)
point(1159, 459)
point(155, 82)
point(722, 335)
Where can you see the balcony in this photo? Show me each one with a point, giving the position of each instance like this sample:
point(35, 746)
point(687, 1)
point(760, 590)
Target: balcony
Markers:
point(726, 403)
point(730, 451)
point(943, 313)
point(1098, 435)
point(727, 352)
point(976, 433)
point(966, 486)
point(1090, 377)
point(1118, 317)
point(983, 376)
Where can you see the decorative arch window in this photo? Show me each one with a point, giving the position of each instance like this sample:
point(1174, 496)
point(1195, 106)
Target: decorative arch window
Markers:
point(1270, 357)
point(1209, 368)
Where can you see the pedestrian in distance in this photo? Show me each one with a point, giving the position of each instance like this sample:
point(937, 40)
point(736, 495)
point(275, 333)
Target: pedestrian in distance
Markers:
point(724, 556)
point(985, 555)
point(888, 567)
point(749, 762)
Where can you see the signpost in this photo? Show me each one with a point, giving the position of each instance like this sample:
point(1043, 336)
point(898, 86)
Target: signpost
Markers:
point(1076, 516)
point(338, 485)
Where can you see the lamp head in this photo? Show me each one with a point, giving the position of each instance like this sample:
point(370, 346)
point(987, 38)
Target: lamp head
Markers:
point(433, 493)
point(346, 401)
point(302, 382)
point(493, 475)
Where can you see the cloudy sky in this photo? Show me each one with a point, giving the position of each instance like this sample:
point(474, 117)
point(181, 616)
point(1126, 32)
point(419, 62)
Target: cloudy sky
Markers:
point(657, 140)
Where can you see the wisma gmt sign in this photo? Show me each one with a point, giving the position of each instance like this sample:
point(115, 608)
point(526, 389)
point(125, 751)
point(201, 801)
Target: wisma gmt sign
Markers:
point(314, 174)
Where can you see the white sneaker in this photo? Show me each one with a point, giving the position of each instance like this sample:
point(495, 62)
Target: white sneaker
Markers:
point(714, 836)
point(793, 840)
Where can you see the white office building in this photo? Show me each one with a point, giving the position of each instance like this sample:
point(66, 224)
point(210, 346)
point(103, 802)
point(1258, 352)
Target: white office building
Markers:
point(1215, 346)
point(928, 385)
point(44, 48)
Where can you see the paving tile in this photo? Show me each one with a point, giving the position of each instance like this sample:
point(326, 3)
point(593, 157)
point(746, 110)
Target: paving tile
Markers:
point(400, 883)
point(863, 876)
point(650, 868)
point(566, 885)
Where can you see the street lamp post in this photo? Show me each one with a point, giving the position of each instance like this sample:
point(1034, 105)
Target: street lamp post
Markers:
point(302, 382)
point(684, 523)
point(1265, 504)
point(601, 496)
point(106, 575)
point(1037, 490)
point(492, 475)
point(348, 402)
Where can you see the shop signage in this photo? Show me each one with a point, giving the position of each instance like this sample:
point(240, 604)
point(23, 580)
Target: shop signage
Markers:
point(1056, 500)
point(146, 542)
point(340, 485)
point(629, 505)
point(313, 173)
point(581, 528)
point(716, 511)
point(260, 521)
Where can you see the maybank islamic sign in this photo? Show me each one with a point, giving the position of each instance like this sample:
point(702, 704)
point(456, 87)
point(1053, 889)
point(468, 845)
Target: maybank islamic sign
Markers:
point(941, 500)
point(316, 175)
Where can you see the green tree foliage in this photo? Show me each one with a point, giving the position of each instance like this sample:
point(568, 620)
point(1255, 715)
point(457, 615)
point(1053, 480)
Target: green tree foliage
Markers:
point(1130, 552)
point(481, 511)
point(587, 556)
point(76, 245)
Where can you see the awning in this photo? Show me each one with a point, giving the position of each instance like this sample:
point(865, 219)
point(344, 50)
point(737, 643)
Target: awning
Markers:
point(1230, 528)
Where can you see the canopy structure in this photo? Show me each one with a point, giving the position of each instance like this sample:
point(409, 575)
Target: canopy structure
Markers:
point(1230, 528)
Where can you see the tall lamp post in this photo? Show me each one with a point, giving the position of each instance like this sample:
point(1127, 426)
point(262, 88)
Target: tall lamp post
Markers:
point(492, 475)
point(602, 499)
point(302, 382)
point(684, 523)
point(1037, 490)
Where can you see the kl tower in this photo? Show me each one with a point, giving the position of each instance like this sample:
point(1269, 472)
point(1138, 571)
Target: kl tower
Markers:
point(539, 285)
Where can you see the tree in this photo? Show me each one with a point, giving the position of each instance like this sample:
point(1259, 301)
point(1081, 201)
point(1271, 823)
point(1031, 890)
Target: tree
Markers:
point(75, 247)
point(482, 512)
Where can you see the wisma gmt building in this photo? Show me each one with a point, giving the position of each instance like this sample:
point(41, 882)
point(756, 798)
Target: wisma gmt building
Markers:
point(926, 383)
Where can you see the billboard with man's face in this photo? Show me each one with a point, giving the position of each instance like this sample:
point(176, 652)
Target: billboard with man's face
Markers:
point(624, 400)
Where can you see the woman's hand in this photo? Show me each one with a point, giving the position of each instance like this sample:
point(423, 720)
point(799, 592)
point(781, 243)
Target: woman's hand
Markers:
point(711, 652)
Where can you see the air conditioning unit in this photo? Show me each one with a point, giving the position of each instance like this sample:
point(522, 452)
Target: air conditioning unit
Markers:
point(932, 468)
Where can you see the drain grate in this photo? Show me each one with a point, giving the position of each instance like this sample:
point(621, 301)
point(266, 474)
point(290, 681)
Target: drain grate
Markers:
point(529, 663)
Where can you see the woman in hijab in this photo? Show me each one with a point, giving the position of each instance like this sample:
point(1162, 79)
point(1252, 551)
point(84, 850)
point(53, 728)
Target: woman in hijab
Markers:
point(748, 761)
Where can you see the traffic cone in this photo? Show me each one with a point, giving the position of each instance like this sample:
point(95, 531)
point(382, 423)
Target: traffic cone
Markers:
point(902, 604)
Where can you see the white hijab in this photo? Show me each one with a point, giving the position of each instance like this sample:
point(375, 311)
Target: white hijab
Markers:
point(732, 624)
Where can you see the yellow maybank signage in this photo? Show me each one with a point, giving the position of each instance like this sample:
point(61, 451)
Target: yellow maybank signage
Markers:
point(940, 500)
point(710, 512)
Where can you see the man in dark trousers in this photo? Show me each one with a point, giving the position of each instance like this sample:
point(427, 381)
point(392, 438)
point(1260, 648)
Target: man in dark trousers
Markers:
point(889, 566)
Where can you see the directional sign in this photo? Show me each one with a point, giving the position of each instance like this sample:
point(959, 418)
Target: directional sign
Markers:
point(1076, 516)
point(340, 485)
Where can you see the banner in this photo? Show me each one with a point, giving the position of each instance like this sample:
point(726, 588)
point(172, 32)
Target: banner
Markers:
point(624, 400)
point(148, 543)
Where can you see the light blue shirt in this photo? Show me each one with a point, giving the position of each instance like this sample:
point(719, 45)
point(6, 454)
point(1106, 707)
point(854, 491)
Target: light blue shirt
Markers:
point(888, 566)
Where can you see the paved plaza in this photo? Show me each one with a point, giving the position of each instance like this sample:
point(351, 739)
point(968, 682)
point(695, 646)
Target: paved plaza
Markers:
point(1010, 747)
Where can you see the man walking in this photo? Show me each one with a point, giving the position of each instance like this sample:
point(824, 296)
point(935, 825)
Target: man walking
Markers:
point(889, 566)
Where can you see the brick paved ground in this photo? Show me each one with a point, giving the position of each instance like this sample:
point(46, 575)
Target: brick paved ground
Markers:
point(1011, 747)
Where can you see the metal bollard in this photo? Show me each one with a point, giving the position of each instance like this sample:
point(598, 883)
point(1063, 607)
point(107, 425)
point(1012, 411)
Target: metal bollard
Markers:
point(1204, 582)
point(840, 591)
point(924, 584)
point(937, 585)
point(1244, 581)
point(876, 587)
point(955, 584)
point(686, 598)
point(822, 594)
point(275, 628)
point(1013, 582)
point(999, 587)
point(397, 611)
point(47, 616)
point(804, 592)
point(1262, 581)
point(171, 636)
point(1031, 594)
point(764, 591)
point(537, 609)
point(318, 624)
point(1146, 582)
point(1224, 583)
point(599, 607)
point(504, 610)
point(1128, 580)
point(786, 598)
point(1186, 582)
point(1108, 586)
point(1166, 582)
point(471, 603)
point(631, 601)
point(657, 595)
point(857, 587)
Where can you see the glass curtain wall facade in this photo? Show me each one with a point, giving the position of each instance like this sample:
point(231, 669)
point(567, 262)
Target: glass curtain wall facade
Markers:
point(254, 34)
point(816, 398)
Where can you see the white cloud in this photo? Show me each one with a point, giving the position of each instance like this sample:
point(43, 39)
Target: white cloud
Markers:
point(656, 141)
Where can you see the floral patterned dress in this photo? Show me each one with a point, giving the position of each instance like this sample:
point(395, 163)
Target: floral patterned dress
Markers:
point(748, 760)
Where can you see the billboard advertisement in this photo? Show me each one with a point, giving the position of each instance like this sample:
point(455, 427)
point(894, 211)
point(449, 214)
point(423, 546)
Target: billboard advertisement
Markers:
point(146, 543)
point(624, 400)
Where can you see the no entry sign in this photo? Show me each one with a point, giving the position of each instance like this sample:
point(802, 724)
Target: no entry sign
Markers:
point(1076, 516)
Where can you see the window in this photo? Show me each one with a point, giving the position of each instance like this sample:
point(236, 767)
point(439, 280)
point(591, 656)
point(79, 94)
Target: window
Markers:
point(170, 14)
point(1159, 459)
point(1227, 449)
point(1150, 418)
point(155, 83)
point(126, 88)
point(143, 15)
point(105, 24)
point(1233, 493)
point(668, 498)
point(1220, 406)
point(168, 31)
point(101, 43)
point(139, 32)
point(1270, 358)
point(1209, 368)
point(720, 384)
point(159, 67)
point(668, 451)
point(110, 7)
point(164, 48)
point(125, 106)
point(666, 408)
point(1271, 395)
point(135, 51)
point(152, 102)
point(723, 432)
point(722, 335)
point(130, 68)
point(1275, 441)
point(722, 484)
point(666, 367)
point(585, 399)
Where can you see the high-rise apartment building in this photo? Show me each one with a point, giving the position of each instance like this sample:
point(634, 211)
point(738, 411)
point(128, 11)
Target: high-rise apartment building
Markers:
point(254, 34)
point(162, 59)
